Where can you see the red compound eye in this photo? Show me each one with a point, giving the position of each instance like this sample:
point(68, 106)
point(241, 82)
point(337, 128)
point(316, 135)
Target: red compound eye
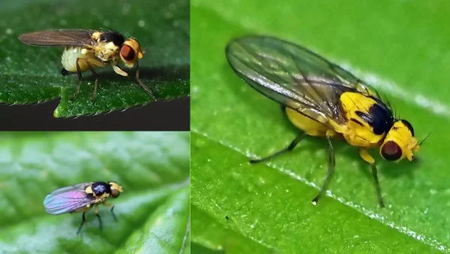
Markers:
point(391, 151)
point(127, 53)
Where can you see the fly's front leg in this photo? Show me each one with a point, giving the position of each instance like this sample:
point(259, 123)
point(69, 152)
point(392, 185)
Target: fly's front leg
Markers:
point(290, 147)
point(138, 80)
point(100, 223)
point(113, 214)
point(121, 72)
point(83, 219)
point(369, 159)
point(330, 173)
point(111, 210)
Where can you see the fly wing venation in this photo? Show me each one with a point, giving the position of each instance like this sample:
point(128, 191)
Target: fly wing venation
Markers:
point(293, 76)
point(67, 199)
point(62, 37)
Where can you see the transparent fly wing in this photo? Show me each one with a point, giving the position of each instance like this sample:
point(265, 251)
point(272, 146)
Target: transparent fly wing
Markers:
point(293, 76)
point(67, 199)
point(63, 37)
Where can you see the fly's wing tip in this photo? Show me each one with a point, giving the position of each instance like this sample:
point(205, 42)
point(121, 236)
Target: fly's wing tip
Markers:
point(236, 47)
point(46, 204)
point(230, 51)
point(49, 205)
point(229, 45)
point(21, 38)
point(25, 39)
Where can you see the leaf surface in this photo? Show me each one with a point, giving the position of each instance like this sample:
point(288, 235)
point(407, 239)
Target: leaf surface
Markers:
point(32, 74)
point(394, 49)
point(152, 167)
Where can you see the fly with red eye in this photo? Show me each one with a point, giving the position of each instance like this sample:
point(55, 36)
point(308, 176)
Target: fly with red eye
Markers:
point(90, 49)
point(127, 53)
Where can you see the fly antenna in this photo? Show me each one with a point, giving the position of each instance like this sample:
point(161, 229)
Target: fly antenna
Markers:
point(425, 138)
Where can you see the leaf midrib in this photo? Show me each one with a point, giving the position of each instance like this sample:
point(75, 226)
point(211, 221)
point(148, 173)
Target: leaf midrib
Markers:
point(357, 208)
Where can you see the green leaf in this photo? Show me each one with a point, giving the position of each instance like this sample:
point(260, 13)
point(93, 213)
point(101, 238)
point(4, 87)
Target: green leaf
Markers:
point(152, 167)
point(269, 204)
point(32, 74)
point(167, 237)
point(212, 235)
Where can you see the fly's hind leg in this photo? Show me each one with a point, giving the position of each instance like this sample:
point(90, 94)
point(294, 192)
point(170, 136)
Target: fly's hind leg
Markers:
point(369, 159)
point(290, 147)
point(83, 219)
point(330, 173)
point(64, 72)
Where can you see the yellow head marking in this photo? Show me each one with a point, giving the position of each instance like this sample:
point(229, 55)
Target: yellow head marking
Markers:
point(116, 189)
point(400, 142)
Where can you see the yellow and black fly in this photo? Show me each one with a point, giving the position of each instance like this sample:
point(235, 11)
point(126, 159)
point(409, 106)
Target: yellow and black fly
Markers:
point(90, 49)
point(81, 198)
point(323, 100)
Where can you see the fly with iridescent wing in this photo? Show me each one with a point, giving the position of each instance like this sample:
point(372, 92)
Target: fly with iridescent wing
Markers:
point(81, 198)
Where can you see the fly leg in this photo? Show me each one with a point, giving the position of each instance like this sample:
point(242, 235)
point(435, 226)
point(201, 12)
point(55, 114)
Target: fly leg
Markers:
point(83, 219)
point(100, 223)
point(113, 214)
point(94, 95)
point(138, 80)
point(80, 78)
point(377, 185)
point(290, 147)
point(111, 210)
point(364, 154)
point(331, 164)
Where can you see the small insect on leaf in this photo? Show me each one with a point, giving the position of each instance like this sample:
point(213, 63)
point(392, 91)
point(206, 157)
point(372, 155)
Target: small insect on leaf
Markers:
point(81, 198)
point(322, 99)
point(87, 50)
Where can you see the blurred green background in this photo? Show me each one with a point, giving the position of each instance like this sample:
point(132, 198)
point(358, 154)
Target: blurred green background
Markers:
point(153, 211)
point(402, 49)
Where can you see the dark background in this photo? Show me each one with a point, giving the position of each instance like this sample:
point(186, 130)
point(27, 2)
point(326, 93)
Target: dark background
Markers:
point(164, 116)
